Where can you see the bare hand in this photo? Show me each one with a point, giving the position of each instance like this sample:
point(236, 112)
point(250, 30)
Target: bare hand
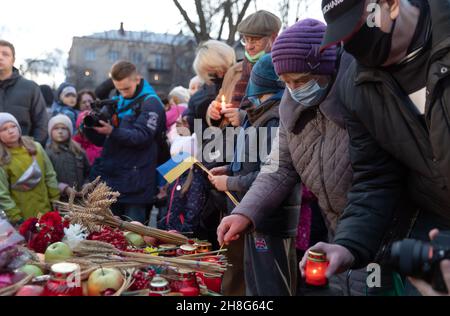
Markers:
point(426, 289)
point(219, 182)
point(68, 191)
point(340, 258)
point(231, 227)
point(219, 171)
point(106, 128)
point(233, 116)
point(214, 111)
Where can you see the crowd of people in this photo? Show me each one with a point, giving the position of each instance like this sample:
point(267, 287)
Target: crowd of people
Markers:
point(339, 145)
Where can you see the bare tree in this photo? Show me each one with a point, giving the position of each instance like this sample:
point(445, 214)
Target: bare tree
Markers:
point(46, 64)
point(214, 16)
point(287, 7)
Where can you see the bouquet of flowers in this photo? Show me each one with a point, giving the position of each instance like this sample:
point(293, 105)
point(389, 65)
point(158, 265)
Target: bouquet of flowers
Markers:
point(42, 232)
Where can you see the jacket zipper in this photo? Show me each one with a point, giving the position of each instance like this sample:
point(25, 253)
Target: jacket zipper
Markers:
point(322, 144)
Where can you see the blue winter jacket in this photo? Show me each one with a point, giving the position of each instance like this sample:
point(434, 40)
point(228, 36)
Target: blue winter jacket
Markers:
point(60, 108)
point(129, 158)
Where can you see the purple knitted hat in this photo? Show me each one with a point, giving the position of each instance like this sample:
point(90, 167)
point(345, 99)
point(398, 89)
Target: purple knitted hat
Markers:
point(297, 50)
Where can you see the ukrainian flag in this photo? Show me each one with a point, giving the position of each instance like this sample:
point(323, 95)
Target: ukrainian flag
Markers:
point(176, 166)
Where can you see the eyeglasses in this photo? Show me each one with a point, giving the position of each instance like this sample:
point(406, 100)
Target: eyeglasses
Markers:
point(251, 40)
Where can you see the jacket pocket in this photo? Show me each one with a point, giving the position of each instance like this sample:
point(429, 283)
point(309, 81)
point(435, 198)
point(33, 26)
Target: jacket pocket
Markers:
point(129, 180)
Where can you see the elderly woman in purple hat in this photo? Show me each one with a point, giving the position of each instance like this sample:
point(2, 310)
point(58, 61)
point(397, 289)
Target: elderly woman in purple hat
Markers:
point(313, 141)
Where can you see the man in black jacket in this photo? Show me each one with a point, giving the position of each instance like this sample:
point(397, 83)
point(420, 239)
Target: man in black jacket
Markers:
point(21, 97)
point(397, 98)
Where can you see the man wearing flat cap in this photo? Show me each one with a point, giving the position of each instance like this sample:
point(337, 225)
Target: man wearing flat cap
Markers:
point(258, 32)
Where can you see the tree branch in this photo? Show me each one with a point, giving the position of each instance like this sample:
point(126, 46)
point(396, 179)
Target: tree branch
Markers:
point(192, 26)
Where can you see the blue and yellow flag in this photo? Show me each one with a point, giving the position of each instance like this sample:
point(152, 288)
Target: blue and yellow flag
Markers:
point(176, 166)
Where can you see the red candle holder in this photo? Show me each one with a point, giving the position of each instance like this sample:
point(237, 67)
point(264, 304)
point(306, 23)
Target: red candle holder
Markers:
point(185, 279)
point(187, 250)
point(65, 281)
point(316, 268)
point(168, 250)
point(159, 287)
point(203, 247)
point(190, 291)
point(212, 282)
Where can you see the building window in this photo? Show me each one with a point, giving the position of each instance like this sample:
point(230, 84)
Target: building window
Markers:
point(89, 54)
point(159, 62)
point(136, 58)
point(113, 56)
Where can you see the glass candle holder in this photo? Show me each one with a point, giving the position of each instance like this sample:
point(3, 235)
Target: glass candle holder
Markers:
point(316, 268)
point(167, 250)
point(159, 287)
point(203, 247)
point(65, 280)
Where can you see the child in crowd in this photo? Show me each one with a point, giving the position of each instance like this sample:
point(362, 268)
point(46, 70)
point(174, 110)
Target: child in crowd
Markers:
point(92, 151)
point(178, 100)
point(187, 195)
point(66, 102)
point(194, 85)
point(28, 182)
point(85, 100)
point(68, 158)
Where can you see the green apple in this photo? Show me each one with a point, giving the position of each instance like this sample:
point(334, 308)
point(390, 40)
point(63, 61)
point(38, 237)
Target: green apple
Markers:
point(58, 252)
point(32, 270)
point(104, 279)
point(135, 239)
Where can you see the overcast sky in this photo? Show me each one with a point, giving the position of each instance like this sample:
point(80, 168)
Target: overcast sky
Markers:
point(37, 27)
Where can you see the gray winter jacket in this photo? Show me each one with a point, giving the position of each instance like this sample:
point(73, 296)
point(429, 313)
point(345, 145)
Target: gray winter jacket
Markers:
point(23, 99)
point(283, 222)
point(71, 169)
point(312, 146)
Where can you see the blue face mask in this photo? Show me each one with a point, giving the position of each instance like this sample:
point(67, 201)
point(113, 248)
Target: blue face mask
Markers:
point(310, 94)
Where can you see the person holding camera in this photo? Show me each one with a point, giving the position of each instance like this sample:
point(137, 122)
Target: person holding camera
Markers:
point(130, 152)
point(397, 107)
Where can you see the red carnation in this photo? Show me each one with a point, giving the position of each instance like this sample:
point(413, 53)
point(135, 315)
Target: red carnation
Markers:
point(28, 228)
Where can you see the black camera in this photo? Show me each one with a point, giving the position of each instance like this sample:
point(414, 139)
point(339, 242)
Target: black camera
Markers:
point(421, 259)
point(102, 110)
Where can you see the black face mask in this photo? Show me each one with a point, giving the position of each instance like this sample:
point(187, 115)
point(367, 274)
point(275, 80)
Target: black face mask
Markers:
point(370, 46)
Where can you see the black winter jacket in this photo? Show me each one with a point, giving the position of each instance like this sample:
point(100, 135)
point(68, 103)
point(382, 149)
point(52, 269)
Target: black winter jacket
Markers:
point(394, 155)
point(23, 99)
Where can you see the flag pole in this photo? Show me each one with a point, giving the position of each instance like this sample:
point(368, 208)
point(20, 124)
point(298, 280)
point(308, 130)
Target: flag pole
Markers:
point(232, 198)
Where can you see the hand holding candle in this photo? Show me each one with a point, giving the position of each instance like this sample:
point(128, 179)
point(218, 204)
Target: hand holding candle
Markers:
point(316, 268)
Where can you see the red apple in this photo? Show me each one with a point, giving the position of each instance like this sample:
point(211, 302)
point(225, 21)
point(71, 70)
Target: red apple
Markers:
point(30, 290)
point(104, 279)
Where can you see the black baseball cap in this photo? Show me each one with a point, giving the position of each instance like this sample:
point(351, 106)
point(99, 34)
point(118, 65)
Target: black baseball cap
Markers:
point(343, 17)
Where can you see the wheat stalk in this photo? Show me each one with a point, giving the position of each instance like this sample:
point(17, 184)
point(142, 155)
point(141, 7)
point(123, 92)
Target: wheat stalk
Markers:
point(94, 212)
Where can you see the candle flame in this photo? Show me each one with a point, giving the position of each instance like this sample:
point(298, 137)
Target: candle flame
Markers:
point(224, 105)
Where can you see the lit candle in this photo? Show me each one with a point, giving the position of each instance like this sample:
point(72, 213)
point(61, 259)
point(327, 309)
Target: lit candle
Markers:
point(316, 268)
point(224, 105)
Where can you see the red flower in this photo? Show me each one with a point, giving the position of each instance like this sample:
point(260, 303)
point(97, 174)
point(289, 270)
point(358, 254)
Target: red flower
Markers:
point(49, 231)
point(28, 228)
point(51, 219)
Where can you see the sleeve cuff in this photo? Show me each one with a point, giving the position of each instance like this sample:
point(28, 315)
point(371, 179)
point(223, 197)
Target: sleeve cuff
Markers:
point(233, 184)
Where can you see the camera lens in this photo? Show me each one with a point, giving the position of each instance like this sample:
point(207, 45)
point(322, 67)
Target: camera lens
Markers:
point(410, 256)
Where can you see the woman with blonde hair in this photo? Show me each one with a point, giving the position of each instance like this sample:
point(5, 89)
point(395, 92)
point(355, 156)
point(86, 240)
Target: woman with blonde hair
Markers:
point(212, 62)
